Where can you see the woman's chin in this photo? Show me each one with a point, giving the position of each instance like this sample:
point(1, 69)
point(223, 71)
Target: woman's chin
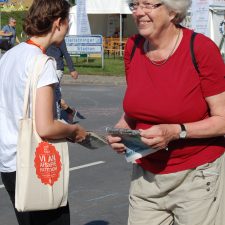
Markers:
point(144, 32)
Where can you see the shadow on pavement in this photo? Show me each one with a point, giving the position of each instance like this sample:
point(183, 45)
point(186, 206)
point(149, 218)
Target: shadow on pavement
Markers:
point(97, 222)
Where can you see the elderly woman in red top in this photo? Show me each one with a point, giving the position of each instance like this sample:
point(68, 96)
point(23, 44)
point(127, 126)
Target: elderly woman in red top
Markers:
point(179, 112)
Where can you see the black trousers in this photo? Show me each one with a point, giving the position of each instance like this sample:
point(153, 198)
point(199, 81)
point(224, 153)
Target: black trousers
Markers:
point(59, 216)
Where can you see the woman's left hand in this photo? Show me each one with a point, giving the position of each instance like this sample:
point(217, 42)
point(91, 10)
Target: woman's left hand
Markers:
point(159, 136)
point(74, 74)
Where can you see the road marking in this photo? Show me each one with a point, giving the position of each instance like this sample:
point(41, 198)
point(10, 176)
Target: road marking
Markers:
point(101, 197)
point(87, 165)
point(78, 167)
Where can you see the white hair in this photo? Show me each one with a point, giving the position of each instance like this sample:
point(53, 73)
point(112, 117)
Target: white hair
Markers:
point(12, 19)
point(180, 7)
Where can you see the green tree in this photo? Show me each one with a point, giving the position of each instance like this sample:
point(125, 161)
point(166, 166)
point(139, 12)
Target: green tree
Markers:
point(73, 2)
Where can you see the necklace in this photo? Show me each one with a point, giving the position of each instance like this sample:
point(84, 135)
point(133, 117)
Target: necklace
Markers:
point(30, 42)
point(147, 50)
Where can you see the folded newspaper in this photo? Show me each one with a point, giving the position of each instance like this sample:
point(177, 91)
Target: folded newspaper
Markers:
point(93, 141)
point(135, 148)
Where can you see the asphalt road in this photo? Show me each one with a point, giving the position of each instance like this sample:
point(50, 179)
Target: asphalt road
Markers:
point(99, 179)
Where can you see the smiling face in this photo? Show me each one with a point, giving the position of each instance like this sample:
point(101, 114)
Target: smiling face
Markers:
point(151, 21)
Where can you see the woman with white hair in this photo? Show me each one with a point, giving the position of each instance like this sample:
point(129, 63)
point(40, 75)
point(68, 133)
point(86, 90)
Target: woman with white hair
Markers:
point(175, 97)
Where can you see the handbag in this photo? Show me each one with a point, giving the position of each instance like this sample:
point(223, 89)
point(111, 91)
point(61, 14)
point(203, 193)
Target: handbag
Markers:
point(5, 44)
point(42, 170)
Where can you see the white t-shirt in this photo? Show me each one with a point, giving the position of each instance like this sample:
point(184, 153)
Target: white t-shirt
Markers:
point(14, 67)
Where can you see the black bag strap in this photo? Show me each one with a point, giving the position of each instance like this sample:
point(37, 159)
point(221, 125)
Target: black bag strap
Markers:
point(136, 42)
point(192, 52)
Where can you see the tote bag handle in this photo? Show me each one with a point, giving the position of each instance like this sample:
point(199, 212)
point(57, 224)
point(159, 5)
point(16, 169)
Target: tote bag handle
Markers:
point(31, 86)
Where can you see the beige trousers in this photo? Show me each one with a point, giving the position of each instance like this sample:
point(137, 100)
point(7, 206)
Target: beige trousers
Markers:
point(190, 197)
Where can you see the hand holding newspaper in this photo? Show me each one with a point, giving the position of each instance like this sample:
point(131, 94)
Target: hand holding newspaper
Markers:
point(135, 148)
point(93, 141)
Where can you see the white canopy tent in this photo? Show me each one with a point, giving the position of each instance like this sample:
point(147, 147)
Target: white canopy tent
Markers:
point(217, 26)
point(103, 14)
point(107, 7)
point(208, 17)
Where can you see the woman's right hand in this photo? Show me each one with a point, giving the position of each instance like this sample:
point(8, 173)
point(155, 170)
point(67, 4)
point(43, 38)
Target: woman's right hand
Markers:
point(115, 142)
point(78, 135)
point(116, 145)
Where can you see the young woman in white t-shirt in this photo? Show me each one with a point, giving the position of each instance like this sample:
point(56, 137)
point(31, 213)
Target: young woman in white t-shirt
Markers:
point(46, 23)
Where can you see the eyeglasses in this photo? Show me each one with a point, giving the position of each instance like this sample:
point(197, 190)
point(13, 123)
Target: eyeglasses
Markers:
point(145, 5)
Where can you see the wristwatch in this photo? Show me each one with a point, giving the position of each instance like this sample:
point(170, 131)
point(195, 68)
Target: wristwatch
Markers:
point(183, 133)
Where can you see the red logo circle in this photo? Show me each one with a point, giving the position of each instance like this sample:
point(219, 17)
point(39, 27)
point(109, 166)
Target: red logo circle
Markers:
point(47, 163)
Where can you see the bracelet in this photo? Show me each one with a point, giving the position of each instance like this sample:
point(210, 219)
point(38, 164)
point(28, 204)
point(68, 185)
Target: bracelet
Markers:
point(69, 110)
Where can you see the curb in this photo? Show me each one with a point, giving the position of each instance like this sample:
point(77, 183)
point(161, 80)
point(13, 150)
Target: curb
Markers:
point(93, 79)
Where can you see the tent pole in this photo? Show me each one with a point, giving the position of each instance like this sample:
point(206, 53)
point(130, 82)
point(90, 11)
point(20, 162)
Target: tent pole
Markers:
point(121, 33)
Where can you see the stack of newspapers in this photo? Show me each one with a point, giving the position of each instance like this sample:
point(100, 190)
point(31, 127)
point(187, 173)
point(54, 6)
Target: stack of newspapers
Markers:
point(135, 148)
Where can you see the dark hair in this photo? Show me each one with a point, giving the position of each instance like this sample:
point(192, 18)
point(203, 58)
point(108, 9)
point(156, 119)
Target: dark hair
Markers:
point(42, 14)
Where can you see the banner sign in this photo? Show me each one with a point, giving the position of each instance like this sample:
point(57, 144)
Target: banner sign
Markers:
point(91, 44)
point(219, 3)
point(83, 26)
point(200, 16)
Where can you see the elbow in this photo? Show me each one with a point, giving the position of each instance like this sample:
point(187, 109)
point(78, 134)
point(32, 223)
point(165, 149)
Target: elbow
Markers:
point(44, 131)
point(44, 134)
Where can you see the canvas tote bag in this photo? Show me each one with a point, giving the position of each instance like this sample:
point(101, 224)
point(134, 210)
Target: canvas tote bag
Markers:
point(42, 174)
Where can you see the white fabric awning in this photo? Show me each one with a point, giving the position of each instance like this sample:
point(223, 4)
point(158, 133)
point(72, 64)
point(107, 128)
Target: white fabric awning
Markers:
point(106, 7)
point(99, 12)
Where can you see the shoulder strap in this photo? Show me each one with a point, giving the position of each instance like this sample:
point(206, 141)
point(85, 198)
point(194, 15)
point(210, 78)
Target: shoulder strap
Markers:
point(31, 84)
point(139, 37)
point(136, 42)
point(192, 52)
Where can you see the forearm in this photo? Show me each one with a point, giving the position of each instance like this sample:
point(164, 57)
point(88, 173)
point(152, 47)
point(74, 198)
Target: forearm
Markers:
point(2, 33)
point(207, 128)
point(46, 125)
point(69, 61)
point(214, 125)
point(211, 127)
point(57, 130)
point(67, 57)
point(17, 40)
point(159, 136)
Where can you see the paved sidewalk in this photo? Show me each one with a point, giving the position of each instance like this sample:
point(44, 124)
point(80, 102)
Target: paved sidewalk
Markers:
point(94, 79)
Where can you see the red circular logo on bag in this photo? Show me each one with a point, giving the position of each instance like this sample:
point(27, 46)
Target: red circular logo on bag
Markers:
point(47, 163)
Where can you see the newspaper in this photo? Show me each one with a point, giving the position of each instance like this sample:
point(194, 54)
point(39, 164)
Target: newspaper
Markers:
point(135, 148)
point(93, 141)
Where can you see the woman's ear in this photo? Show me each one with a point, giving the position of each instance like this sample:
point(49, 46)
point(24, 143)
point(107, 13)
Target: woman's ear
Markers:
point(172, 15)
point(57, 23)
